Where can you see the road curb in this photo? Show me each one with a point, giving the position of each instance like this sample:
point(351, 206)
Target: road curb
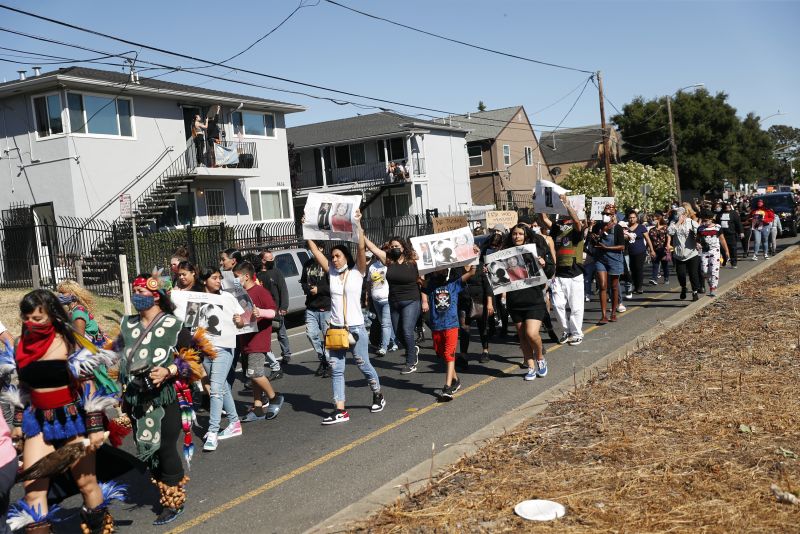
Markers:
point(418, 476)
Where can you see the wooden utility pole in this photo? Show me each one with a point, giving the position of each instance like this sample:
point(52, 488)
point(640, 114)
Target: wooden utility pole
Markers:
point(606, 151)
point(674, 148)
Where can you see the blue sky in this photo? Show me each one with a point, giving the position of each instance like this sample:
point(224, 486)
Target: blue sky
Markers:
point(746, 49)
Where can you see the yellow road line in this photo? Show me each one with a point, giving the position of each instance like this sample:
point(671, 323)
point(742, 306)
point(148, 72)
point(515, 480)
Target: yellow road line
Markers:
point(202, 518)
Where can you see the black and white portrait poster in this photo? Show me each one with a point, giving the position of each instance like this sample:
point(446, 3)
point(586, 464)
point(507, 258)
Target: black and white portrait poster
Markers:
point(209, 311)
point(444, 250)
point(331, 217)
point(514, 268)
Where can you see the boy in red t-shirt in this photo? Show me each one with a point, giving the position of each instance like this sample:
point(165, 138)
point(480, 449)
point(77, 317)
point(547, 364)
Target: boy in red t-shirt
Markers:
point(256, 345)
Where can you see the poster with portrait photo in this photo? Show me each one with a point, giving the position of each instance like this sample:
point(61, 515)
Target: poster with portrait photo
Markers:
point(207, 311)
point(444, 250)
point(514, 268)
point(331, 217)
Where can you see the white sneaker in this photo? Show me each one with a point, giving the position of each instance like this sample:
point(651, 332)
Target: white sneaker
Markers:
point(621, 308)
point(629, 296)
point(755, 258)
point(766, 256)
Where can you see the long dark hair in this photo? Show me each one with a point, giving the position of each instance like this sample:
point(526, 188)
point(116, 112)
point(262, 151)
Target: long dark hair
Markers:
point(189, 266)
point(347, 254)
point(49, 303)
point(408, 250)
point(530, 237)
point(207, 273)
point(164, 302)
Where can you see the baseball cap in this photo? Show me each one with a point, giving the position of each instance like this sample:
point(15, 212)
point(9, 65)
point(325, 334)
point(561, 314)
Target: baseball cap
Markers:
point(500, 228)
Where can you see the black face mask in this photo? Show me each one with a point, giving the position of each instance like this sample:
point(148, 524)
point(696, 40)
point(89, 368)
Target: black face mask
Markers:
point(394, 254)
point(269, 264)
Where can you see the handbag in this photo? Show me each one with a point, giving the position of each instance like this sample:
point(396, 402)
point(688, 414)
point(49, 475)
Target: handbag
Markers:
point(476, 310)
point(340, 338)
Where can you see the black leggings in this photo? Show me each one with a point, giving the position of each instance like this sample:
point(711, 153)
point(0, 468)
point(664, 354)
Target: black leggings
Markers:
point(464, 330)
point(637, 270)
point(692, 266)
point(170, 466)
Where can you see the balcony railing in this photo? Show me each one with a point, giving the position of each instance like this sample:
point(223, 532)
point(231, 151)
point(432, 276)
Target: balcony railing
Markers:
point(230, 154)
point(371, 172)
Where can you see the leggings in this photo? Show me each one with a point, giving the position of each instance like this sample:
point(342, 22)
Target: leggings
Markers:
point(170, 467)
point(637, 270)
point(464, 330)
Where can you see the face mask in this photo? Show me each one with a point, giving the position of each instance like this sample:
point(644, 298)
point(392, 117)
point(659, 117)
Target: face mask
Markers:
point(606, 218)
point(394, 254)
point(143, 302)
point(269, 264)
point(717, 209)
point(37, 329)
point(536, 230)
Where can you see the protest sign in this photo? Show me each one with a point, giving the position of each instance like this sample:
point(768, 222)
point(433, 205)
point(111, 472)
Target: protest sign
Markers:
point(209, 311)
point(228, 280)
point(445, 224)
point(598, 204)
point(444, 250)
point(244, 300)
point(578, 203)
point(514, 268)
point(546, 198)
point(506, 218)
point(331, 217)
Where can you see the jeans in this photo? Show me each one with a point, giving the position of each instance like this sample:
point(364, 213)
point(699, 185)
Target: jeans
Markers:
point(661, 262)
point(762, 236)
point(283, 337)
point(336, 359)
point(384, 312)
point(626, 280)
point(316, 326)
point(404, 320)
point(692, 266)
point(221, 397)
point(589, 270)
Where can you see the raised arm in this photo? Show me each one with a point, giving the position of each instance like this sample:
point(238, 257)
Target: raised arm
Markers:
point(576, 221)
point(361, 253)
point(546, 220)
point(381, 255)
point(470, 272)
point(318, 255)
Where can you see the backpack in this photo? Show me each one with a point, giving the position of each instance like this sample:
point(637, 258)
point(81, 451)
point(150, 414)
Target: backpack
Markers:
point(568, 254)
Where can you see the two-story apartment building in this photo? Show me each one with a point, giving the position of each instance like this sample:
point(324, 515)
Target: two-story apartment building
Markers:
point(353, 155)
point(74, 139)
point(504, 155)
point(580, 147)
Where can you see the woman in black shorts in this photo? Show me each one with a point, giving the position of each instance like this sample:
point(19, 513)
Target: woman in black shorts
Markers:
point(527, 306)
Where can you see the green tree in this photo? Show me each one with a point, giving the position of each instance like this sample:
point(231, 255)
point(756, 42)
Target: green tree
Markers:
point(481, 106)
point(787, 149)
point(714, 145)
point(628, 179)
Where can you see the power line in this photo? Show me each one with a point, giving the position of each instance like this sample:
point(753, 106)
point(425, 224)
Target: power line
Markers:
point(450, 39)
point(590, 78)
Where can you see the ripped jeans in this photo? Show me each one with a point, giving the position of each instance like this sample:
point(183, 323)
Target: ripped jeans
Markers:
point(336, 358)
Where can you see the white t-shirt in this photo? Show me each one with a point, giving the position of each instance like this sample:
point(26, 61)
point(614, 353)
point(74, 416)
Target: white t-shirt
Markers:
point(380, 287)
point(228, 338)
point(352, 291)
point(3, 327)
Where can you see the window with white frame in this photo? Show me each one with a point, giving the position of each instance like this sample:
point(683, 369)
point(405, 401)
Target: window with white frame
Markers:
point(528, 156)
point(215, 205)
point(395, 148)
point(268, 204)
point(475, 153)
point(507, 154)
point(252, 124)
point(47, 112)
point(349, 155)
point(100, 115)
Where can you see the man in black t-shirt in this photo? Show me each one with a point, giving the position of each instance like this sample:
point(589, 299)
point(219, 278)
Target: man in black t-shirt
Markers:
point(567, 286)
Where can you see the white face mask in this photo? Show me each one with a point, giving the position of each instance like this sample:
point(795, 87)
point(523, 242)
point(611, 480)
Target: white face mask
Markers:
point(536, 229)
point(606, 218)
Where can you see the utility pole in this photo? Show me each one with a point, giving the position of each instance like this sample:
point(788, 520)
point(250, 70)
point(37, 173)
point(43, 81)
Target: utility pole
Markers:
point(674, 148)
point(606, 151)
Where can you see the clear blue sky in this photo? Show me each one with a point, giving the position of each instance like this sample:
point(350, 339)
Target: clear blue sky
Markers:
point(746, 49)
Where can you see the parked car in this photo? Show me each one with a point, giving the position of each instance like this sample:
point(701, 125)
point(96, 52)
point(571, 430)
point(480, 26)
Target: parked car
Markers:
point(784, 206)
point(290, 262)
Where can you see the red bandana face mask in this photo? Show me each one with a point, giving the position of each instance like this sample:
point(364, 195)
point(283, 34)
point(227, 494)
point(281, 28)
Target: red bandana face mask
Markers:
point(35, 340)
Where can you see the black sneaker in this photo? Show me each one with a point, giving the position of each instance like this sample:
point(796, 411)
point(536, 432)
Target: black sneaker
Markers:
point(553, 335)
point(683, 293)
point(455, 386)
point(327, 372)
point(168, 515)
point(321, 368)
point(378, 402)
point(275, 375)
point(287, 359)
point(447, 393)
point(695, 296)
point(408, 369)
point(338, 416)
point(484, 357)
point(462, 364)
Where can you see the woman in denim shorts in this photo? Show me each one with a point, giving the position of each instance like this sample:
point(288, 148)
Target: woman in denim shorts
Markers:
point(609, 243)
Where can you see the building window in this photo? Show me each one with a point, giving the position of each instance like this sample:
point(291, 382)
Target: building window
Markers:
point(269, 204)
point(100, 115)
point(349, 155)
point(475, 153)
point(47, 110)
point(396, 205)
point(528, 156)
point(215, 205)
point(253, 124)
point(395, 147)
point(506, 154)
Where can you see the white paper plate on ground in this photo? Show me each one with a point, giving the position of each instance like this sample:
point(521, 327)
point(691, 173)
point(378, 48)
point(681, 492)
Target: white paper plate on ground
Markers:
point(540, 510)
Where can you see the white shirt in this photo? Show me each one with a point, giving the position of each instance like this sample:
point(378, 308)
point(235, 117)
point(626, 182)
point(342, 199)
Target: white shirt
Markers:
point(352, 292)
point(380, 287)
point(2, 327)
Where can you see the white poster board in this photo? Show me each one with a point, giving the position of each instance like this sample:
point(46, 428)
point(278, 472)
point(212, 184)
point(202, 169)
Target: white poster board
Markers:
point(207, 311)
point(444, 250)
point(331, 217)
point(547, 198)
point(578, 203)
point(244, 300)
point(514, 268)
point(598, 204)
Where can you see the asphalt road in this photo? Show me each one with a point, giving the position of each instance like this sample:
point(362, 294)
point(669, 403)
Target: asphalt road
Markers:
point(288, 474)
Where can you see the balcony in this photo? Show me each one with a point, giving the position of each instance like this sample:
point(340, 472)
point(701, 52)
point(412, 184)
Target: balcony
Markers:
point(335, 180)
point(229, 159)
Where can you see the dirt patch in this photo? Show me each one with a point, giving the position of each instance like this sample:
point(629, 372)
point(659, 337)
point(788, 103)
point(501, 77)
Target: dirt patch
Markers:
point(684, 435)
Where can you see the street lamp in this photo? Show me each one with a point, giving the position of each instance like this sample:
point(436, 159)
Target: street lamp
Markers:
point(770, 116)
point(672, 137)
